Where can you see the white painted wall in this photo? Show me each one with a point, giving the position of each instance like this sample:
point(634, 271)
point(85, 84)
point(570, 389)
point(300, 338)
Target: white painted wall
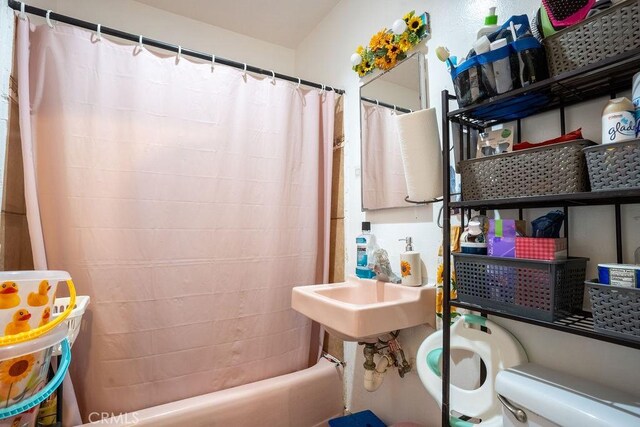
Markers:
point(6, 55)
point(139, 18)
point(324, 56)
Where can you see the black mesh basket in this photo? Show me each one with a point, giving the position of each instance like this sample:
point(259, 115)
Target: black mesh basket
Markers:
point(542, 290)
point(616, 310)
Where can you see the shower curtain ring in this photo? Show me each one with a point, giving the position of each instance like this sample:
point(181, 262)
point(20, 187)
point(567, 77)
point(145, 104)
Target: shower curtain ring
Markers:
point(213, 62)
point(140, 42)
point(273, 77)
point(48, 18)
point(377, 103)
point(299, 81)
point(99, 32)
point(244, 75)
point(22, 15)
point(179, 53)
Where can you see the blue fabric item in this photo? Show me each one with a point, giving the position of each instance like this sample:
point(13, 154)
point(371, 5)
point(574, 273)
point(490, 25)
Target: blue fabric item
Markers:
point(359, 419)
point(548, 225)
point(521, 23)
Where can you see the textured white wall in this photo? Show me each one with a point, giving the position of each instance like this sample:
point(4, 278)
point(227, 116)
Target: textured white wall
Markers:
point(324, 56)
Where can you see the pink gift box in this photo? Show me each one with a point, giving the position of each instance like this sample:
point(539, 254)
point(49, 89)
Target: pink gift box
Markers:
point(543, 248)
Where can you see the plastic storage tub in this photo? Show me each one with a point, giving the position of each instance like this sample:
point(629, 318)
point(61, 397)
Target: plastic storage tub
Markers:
point(26, 298)
point(543, 290)
point(616, 310)
point(614, 166)
point(552, 169)
point(23, 376)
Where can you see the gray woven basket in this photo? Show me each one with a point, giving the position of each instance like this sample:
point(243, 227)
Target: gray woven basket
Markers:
point(614, 166)
point(616, 311)
point(553, 169)
point(543, 290)
point(609, 33)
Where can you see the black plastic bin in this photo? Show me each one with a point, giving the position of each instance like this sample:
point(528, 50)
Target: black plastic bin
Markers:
point(542, 290)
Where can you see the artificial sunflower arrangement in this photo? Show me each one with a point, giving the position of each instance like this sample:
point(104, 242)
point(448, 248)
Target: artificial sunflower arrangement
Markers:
point(387, 47)
point(440, 292)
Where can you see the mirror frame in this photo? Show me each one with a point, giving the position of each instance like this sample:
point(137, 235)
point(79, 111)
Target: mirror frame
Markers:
point(424, 103)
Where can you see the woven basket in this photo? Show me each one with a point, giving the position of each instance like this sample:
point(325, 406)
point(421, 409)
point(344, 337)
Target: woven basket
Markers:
point(609, 33)
point(553, 169)
point(614, 166)
point(616, 310)
point(543, 290)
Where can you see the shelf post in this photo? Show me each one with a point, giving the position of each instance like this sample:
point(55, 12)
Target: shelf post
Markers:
point(446, 259)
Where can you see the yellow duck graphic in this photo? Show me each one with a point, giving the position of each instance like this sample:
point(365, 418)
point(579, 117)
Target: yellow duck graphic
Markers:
point(20, 322)
point(46, 316)
point(9, 297)
point(40, 298)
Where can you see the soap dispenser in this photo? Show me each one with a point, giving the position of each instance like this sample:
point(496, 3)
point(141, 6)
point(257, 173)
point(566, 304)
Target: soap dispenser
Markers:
point(410, 265)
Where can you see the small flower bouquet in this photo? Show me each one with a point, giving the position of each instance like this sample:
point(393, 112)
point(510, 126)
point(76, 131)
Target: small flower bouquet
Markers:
point(387, 47)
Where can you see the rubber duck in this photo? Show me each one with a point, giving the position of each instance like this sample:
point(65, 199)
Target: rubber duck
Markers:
point(40, 298)
point(9, 297)
point(46, 316)
point(20, 322)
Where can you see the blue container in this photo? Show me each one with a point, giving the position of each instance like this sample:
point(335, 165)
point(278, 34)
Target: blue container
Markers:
point(359, 419)
point(621, 275)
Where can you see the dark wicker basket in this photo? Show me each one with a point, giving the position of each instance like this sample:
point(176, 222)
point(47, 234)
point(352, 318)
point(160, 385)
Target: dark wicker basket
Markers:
point(614, 166)
point(607, 34)
point(553, 169)
point(616, 310)
point(543, 290)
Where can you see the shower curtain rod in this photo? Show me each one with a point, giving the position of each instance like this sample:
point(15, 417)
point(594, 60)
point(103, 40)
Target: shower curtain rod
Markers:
point(384, 104)
point(16, 5)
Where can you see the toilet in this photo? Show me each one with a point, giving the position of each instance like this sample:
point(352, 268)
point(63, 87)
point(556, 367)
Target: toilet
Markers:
point(535, 396)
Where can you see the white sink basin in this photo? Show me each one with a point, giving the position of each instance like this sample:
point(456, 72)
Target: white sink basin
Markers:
point(362, 309)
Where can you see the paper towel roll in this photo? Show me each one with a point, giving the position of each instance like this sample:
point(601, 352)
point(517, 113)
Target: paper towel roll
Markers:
point(421, 154)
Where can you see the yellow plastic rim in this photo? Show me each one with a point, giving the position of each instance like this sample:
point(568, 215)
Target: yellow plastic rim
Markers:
point(41, 330)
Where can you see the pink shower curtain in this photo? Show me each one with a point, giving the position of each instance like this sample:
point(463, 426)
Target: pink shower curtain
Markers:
point(185, 201)
point(383, 182)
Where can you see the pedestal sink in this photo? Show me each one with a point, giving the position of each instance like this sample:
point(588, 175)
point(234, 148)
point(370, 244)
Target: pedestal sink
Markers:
point(362, 309)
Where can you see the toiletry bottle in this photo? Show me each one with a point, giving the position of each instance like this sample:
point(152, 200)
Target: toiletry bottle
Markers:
point(635, 97)
point(618, 121)
point(483, 45)
point(410, 265)
point(502, 69)
point(490, 23)
point(364, 246)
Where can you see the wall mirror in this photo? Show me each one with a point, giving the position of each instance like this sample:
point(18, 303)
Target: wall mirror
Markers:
point(398, 91)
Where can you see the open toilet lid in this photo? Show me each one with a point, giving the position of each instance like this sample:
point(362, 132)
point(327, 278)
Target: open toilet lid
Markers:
point(498, 349)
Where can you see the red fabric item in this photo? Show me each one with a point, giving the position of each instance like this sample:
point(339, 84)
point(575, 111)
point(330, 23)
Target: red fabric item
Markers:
point(571, 136)
point(540, 248)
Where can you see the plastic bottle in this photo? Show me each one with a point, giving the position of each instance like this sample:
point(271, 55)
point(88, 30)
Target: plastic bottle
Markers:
point(502, 69)
point(410, 265)
point(365, 243)
point(490, 23)
point(618, 121)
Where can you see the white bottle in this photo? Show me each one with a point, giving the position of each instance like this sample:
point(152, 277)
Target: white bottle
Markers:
point(502, 69)
point(483, 45)
point(410, 265)
point(618, 121)
point(490, 23)
point(635, 98)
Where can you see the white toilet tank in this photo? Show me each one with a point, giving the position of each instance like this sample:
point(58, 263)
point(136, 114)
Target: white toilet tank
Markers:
point(548, 398)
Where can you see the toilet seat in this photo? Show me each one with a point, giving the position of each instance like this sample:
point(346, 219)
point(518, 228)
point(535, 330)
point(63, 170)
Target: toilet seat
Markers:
point(498, 349)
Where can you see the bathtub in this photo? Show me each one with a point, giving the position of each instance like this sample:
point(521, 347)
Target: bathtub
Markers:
point(306, 398)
